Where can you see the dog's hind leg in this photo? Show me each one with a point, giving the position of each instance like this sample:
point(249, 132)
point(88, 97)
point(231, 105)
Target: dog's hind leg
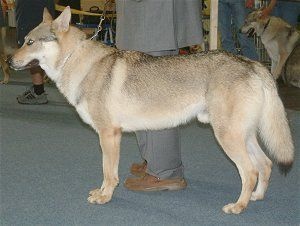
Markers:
point(110, 143)
point(264, 166)
point(232, 140)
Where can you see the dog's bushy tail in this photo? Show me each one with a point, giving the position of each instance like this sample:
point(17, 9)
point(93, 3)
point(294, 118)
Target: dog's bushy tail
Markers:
point(274, 127)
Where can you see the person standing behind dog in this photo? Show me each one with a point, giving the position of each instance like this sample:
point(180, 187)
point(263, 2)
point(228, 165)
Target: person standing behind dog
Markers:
point(287, 10)
point(2, 20)
point(235, 11)
point(29, 14)
point(158, 28)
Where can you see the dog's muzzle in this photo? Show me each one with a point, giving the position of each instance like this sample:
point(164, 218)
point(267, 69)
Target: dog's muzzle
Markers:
point(250, 32)
point(33, 63)
point(12, 65)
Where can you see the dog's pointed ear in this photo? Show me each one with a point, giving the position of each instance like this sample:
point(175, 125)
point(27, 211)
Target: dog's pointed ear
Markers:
point(62, 23)
point(47, 18)
point(259, 13)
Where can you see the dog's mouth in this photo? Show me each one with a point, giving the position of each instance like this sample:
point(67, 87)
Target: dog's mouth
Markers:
point(250, 32)
point(31, 64)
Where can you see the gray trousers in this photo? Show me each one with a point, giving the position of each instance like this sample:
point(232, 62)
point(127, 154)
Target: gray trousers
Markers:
point(161, 148)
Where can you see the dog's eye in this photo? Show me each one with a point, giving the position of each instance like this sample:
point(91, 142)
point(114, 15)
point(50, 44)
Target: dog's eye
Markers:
point(30, 42)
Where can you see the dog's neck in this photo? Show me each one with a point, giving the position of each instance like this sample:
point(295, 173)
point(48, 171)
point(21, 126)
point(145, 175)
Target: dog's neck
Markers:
point(266, 26)
point(55, 71)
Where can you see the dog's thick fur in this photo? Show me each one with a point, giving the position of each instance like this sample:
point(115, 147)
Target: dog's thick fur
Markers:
point(280, 40)
point(115, 91)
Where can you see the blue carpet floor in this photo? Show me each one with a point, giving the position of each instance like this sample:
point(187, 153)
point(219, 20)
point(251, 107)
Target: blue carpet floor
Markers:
point(50, 161)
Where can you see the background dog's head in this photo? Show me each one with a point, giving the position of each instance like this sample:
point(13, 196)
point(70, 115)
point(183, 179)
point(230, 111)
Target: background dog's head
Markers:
point(44, 45)
point(254, 23)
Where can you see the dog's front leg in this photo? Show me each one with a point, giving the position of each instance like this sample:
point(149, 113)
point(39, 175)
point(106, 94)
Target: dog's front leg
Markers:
point(110, 139)
point(273, 67)
point(282, 58)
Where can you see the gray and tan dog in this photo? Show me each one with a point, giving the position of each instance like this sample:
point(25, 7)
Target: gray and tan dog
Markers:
point(115, 91)
point(282, 42)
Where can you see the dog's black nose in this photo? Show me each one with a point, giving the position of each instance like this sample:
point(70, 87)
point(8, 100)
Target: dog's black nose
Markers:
point(9, 60)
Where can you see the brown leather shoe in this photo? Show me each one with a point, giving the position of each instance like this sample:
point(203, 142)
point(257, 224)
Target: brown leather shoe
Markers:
point(138, 169)
point(152, 183)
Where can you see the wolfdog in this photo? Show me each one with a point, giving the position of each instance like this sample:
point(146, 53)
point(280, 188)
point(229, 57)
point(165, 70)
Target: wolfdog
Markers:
point(115, 91)
point(282, 42)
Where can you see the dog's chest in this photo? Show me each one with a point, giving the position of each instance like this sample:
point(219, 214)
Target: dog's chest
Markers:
point(82, 109)
point(272, 49)
point(72, 88)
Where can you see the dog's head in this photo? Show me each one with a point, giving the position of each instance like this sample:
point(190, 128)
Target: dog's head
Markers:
point(44, 45)
point(254, 23)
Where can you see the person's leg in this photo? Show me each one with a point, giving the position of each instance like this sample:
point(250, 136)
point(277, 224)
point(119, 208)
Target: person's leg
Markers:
point(164, 170)
point(227, 40)
point(37, 77)
point(25, 23)
point(161, 150)
point(247, 44)
point(36, 93)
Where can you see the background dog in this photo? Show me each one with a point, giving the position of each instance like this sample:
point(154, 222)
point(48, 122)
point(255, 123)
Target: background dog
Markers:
point(115, 91)
point(5, 50)
point(280, 39)
point(291, 70)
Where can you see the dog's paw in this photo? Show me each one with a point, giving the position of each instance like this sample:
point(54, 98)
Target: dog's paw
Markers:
point(3, 82)
point(97, 197)
point(256, 196)
point(234, 208)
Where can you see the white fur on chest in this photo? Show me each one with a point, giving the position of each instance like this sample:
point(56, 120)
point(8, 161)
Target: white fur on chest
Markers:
point(48, 63)
point(272, 49)
point(82, 109)
point(52, 73)
point(73, 88)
